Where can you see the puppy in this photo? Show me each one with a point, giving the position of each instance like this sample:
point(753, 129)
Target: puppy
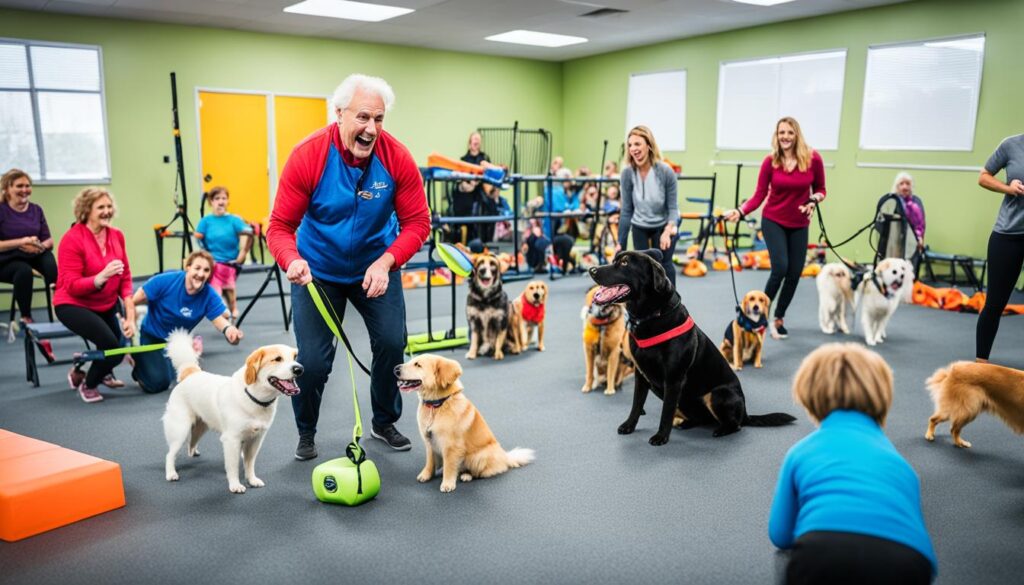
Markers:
point(835, 290)
point(744, 337)
point(528, 312)
point(487, 310)
point(605, 344)
point(673, 357)
point(963, 390)
point(879, 295)
point(451, 426)
point(240, 407)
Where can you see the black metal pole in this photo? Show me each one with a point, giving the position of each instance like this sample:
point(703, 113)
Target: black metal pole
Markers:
point(183, 204)
point(600, 198)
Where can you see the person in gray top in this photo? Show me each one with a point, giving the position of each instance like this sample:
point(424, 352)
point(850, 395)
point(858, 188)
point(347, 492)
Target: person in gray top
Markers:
point(1006, 243)
point(650, 206)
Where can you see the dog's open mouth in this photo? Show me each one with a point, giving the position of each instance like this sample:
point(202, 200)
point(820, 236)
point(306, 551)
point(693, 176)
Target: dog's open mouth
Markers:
point(486, 281)
point(286, 387)
point(409, 385)
point(896, 285)
point(611, 294)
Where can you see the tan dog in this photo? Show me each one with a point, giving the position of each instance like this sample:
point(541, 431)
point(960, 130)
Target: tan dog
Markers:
point(528, 313)
point(451, 426)
point(240, 407)
point(963, 390)
point(744, 337)
point(605, 345)
point(835, 291)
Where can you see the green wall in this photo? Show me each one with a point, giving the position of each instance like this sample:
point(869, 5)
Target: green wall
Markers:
point(960, 214)
point(441, 97)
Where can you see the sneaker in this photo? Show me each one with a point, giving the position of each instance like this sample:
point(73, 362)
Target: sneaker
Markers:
point(197, 345)
point(111, 382)
point(780, 331)
point(89, 394)
point(391, 436)
point(75, 377)
point(306, 449)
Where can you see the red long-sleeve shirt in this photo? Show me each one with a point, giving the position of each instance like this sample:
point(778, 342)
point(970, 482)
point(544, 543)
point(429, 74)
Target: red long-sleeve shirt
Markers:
point(79, 260)
point(787, 190)
point(302, 175)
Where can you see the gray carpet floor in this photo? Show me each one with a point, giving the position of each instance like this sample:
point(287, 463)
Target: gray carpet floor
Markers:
point(594, 507)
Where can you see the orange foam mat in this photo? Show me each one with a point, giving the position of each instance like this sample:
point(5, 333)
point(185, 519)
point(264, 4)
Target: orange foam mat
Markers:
point(44, 486)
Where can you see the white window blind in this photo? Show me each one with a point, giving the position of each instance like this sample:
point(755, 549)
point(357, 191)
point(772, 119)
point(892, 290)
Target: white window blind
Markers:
point(922, 95)
point(754, 94)
point(658, 101)
point(52, 118)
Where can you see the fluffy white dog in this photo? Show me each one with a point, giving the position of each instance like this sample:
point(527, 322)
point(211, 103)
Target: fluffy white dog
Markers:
point(240, 407)
point(879, 295)
point(835, 290)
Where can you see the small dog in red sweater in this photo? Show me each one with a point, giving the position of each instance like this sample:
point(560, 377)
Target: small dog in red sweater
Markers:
point(528, 314)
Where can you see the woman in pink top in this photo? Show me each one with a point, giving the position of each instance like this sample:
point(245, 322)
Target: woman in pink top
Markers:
point(92, 276)
point(792, 178)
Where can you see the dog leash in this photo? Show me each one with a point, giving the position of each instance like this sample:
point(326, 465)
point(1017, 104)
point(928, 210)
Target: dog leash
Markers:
point(354, 451)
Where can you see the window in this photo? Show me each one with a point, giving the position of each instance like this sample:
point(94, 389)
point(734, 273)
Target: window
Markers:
point(658, 101)
point(922, 95)
point(52, 122)
point(754, 94)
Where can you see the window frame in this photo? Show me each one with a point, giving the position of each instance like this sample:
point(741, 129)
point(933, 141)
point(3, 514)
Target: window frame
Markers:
point(37, 120)
point(912, 43)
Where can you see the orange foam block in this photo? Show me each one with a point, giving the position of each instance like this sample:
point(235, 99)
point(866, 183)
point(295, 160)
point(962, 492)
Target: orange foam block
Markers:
point(44, 486)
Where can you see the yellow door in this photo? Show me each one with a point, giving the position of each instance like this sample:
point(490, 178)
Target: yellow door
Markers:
point(235, 150)
point(294, 119)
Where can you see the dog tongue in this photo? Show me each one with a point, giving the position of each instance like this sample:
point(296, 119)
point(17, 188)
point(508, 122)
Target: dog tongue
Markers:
point(609, 294)
point(288, 387)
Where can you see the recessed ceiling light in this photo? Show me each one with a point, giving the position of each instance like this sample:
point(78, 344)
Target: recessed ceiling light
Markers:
point(762, 2)
point(538, 39)
point(347, 10)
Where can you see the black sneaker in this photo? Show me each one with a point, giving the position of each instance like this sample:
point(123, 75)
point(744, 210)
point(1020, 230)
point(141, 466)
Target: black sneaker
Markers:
point(780, 331)
point(392, 437)
point(306, 449)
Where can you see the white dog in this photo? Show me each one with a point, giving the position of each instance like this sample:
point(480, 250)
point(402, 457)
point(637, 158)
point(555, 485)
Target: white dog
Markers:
point(880, 293)
point(834, 292)
point(240, 407)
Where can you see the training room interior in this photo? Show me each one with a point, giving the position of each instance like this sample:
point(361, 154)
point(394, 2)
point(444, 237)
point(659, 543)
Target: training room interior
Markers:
point(595, 506)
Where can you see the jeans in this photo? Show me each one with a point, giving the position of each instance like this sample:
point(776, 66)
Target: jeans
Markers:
point(385, 321)
point(153, 370)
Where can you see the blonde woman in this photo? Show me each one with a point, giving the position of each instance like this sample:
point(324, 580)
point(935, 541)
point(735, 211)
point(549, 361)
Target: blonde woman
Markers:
point(650, 206)
point(92, 275)
point(847, 505)
point(795, 176)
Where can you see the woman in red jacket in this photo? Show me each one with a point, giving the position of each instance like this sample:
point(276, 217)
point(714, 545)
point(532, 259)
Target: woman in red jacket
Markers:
point(92, 274)
point(795, 176)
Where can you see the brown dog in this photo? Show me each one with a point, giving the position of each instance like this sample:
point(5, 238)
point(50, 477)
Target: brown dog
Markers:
point(528, 312)
point(744, 337)
point(963, 390)
point(605, 345)
point(451, 426)
point(488, 310)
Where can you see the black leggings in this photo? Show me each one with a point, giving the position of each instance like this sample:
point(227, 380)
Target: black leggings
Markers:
point(1005, 258)
point(787, 250)
point(645, 238)
point(841, 558)
point(100, 328)
point(18, 271)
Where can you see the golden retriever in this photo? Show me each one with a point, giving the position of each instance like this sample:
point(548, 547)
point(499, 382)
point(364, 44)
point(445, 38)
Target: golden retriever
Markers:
point(963, 390)
point(744, 336)
point(528, 314)
point(605, 344)
point(451, 426)
point(835, 291)
point(240, 407)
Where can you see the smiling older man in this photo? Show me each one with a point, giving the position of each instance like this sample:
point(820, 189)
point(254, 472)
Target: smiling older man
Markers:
point(350, 210)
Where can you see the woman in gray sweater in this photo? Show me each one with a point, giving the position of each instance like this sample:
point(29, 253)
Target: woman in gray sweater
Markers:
point(650, 208)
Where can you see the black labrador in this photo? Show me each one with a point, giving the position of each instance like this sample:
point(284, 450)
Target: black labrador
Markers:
point(673, 356)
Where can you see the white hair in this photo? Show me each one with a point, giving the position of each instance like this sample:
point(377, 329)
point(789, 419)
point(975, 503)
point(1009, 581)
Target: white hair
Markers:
point(900, 177)
point(375, 85)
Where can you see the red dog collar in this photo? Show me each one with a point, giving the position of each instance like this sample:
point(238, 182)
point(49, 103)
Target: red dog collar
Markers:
point(663, 337)
point(532, 313)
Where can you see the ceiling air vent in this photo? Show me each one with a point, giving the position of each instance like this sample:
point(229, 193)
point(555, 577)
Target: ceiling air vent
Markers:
point(601, 12)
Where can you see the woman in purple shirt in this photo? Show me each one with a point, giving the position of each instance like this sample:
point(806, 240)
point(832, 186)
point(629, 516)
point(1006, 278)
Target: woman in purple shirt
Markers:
point(913, 209)
point(25, 242)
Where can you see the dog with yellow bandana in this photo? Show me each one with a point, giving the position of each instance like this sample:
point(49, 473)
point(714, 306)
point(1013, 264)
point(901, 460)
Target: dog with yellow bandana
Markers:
point(605, 345)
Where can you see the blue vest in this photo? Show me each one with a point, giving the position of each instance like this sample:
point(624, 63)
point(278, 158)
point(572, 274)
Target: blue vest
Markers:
point(344, 231)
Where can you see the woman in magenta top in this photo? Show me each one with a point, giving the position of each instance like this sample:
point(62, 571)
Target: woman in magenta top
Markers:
point(792, 178)
point(92, 275)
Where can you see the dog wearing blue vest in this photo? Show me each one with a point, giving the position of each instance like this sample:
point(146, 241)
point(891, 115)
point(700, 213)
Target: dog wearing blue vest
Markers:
point(744, 336)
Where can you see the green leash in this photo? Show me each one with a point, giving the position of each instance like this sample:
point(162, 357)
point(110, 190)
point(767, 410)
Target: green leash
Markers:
point(331, 480)
point(99, 354)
